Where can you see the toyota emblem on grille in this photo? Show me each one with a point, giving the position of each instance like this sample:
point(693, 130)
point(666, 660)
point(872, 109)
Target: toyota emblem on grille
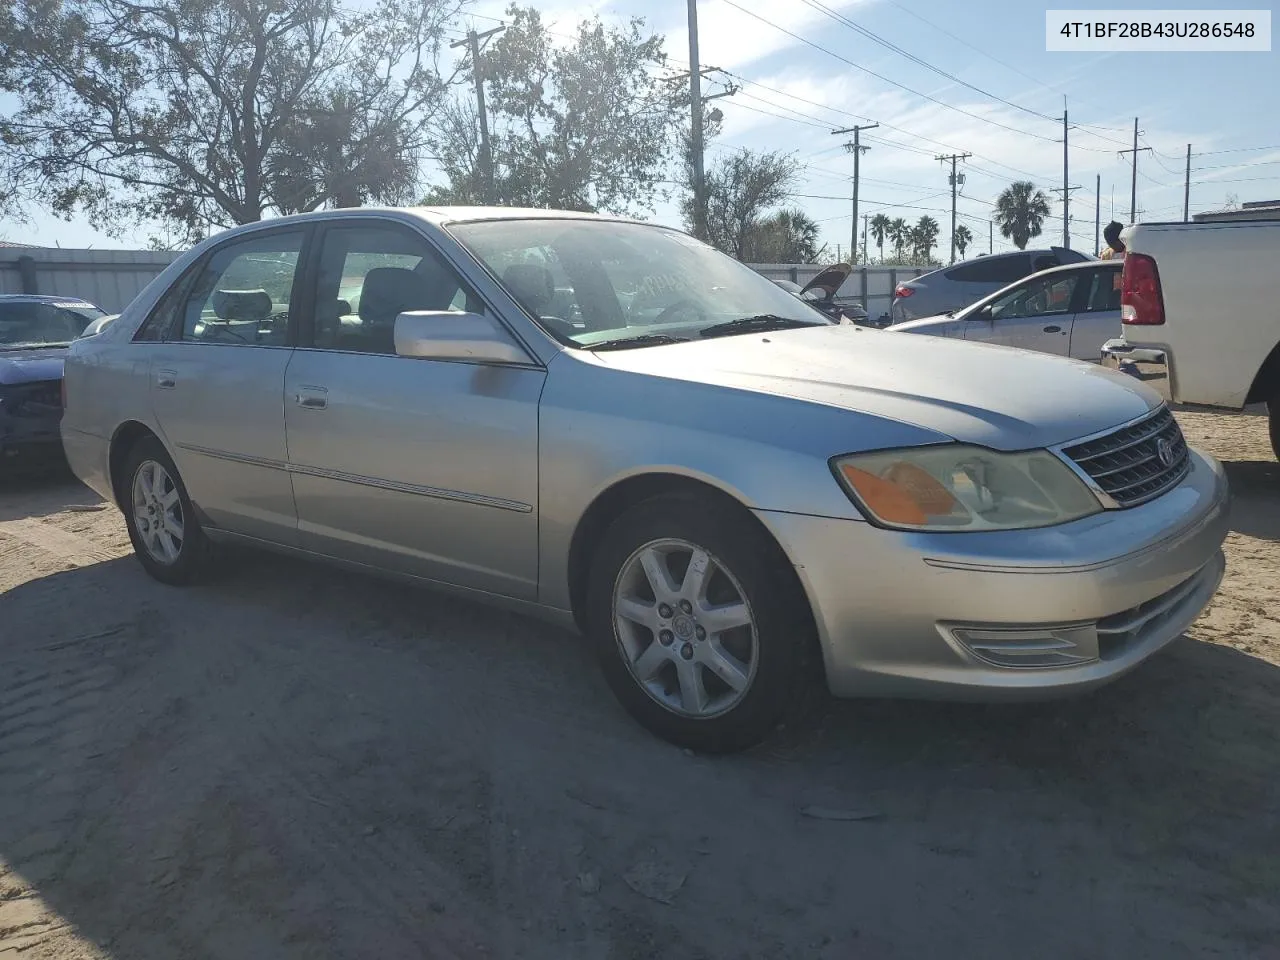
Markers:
point(1164, 452)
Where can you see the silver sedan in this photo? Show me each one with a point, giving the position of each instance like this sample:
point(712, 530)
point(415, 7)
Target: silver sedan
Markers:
point(615, 426)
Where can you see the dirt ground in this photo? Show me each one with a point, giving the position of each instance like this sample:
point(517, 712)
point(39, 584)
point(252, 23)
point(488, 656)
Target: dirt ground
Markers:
point(295, 762)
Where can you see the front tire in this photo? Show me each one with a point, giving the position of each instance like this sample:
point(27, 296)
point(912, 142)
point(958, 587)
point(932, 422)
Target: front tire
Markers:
point(699, 624)
point(166, 535)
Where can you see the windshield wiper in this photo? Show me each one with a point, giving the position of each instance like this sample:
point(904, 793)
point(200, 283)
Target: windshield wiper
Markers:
point(32, 346)
point(646, 340)
point(762, 321)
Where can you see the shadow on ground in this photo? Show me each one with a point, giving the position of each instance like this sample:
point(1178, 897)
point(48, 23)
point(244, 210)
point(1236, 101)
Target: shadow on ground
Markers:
point(295, 762)
point(1255, 497)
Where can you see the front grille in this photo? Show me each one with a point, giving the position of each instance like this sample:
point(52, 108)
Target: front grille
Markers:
point(1128, 465)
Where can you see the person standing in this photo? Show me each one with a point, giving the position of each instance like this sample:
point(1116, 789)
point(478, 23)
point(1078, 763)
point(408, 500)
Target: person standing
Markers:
point(1115, 249)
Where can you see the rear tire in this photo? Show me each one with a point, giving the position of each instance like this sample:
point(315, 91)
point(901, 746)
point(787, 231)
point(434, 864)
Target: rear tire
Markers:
point(716, 655)
point(1273, 424)
point(166, 535)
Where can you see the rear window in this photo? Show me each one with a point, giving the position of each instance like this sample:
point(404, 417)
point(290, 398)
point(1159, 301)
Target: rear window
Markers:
point(992, 270)
point(28, 324)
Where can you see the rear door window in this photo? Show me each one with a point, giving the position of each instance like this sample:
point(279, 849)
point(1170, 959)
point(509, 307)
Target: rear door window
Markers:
point(992, 270)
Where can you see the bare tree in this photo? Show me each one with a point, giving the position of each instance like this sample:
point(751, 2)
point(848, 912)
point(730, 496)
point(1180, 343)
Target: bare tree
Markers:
point(202, 114)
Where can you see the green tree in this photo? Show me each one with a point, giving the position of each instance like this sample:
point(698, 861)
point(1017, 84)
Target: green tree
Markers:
point(963, 237)
point(924, 236)
point(587, 125)
point(788, 236)
point(741, 189)
point(1020, 212)
point(899, 234)
point(879, 226)
point(200, 115)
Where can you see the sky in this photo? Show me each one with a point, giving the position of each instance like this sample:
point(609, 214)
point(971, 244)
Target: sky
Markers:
point(964, 78)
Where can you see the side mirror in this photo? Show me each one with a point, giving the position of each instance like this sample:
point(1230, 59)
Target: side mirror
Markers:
point(454, 335)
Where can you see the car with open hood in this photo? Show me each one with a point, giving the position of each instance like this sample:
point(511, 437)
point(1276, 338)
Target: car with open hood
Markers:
point(615, 426)
point(35, 332)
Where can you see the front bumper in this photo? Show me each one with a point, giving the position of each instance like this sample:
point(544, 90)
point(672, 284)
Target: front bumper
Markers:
point(1012, 615)
point(1148, 364)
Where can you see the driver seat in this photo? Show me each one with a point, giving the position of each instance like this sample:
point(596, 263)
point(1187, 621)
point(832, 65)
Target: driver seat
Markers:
point(531, 285)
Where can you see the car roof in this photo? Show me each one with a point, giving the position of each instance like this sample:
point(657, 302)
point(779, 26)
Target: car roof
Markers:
point(1080, 265)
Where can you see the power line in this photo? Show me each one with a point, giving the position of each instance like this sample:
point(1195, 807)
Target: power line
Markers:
point(881, 77)
point(876, 38)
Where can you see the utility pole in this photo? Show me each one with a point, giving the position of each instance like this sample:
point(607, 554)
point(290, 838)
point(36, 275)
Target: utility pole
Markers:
point(1066, 216)
point(1186, 190)
point(857, 149)
point(991, 238)
point(1097, 214)
point(955, 184)
point(695, 104)
point(866, 251)
point(1066, 179)
point(472, 40)
point(1133, 189)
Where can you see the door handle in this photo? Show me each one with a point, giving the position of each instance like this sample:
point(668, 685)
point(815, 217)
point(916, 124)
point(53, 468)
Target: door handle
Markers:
point(1052, 328)
point(166, 379)
point(311, 398)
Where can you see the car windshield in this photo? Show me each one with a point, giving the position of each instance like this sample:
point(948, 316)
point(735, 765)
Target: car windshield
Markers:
point(593, 282)
point(39, 324)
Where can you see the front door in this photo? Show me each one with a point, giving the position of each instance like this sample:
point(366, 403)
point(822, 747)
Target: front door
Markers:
point(1097, 317)
point(217, 383)
point(422, 466)
point(1035, 315)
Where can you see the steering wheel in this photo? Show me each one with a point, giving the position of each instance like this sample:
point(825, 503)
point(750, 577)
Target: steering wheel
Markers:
point(559, 325)
point(685, 304)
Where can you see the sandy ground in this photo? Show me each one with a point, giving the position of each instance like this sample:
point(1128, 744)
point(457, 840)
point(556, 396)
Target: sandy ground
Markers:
point(294, 762)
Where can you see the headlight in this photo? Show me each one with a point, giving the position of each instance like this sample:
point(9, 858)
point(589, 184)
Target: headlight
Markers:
point(953, 487)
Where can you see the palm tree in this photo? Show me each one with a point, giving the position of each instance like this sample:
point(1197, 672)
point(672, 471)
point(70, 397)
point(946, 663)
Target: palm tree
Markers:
point(962, 237)
point(1021, 211)
point(898, 230)
point(879, 230)
point(926, 237)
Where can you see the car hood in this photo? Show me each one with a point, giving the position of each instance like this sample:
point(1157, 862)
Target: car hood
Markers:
point(829, 281)
point(29, 366)
point(994, 396)
point(923, 324)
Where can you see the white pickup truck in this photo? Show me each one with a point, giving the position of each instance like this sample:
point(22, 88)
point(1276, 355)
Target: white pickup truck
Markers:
point(1200, 313)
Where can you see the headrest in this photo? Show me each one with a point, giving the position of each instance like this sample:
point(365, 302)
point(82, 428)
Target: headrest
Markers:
point(390, 291)
point(531, 285)
point(241, 304)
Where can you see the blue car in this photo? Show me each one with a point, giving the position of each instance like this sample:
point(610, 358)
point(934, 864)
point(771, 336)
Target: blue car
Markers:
point(35, 332)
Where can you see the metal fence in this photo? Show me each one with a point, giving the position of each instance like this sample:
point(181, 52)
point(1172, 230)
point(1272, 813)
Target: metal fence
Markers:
point(108, 278)
point(872, 287)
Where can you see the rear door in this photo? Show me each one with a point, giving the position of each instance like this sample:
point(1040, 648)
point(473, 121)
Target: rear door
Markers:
point(217, 381)
point(1097, 317)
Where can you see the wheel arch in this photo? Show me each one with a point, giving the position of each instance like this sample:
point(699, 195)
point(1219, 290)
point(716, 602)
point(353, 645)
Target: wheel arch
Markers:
point(616, 499)
point(123, 440)
point(1266, 382)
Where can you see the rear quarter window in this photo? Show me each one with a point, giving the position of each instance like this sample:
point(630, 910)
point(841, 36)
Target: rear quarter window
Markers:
point(992, 270)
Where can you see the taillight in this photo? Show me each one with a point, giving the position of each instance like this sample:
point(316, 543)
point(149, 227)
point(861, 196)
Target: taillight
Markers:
point(1141, 302)
point(903, 291)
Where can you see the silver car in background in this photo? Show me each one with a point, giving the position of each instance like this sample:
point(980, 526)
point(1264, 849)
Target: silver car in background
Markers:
point(955, 287)
point(615, 426)
point(1068, 311)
